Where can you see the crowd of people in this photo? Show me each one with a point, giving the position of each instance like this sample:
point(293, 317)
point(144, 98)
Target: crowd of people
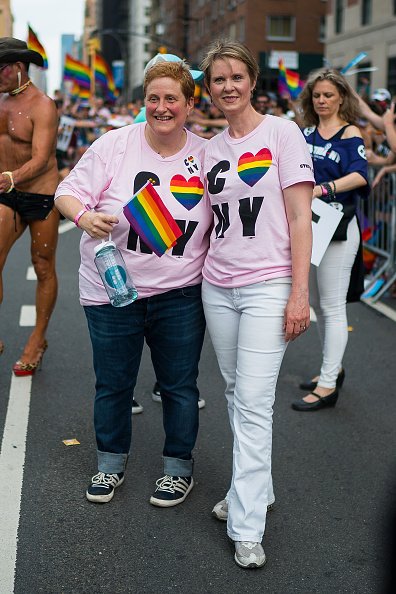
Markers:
point(236, 179)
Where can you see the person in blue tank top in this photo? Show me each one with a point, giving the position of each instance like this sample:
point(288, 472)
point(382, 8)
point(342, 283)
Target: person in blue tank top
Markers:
point(330, 110)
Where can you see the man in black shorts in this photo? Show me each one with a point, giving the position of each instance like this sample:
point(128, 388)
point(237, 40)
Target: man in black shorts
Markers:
point(28, 179)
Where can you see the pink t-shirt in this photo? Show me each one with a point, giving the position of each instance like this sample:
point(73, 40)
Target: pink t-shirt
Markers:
point(115, 167)
point(244, 179)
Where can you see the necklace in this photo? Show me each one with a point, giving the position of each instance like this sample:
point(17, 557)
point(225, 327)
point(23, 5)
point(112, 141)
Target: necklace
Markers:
point(166, 150)
point(21, 88)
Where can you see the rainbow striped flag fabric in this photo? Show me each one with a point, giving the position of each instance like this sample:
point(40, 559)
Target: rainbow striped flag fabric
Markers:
point(289, 81)
point(77, 93)
point(77, 72)
point(104, 76)
point(151, 220)
point(34, 44)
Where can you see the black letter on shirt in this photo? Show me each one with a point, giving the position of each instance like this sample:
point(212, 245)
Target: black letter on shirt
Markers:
point(249, 214)
point(216, 186)
point(132, 243)
point(178, 249)
point(223, 217)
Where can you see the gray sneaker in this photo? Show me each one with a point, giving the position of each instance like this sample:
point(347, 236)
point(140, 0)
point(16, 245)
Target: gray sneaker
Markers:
point(220, 510)
point(249, 555)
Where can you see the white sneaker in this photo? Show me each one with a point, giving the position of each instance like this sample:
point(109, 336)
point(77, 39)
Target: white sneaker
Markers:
point(249, 555)
point(156, 396)
point(220, 510)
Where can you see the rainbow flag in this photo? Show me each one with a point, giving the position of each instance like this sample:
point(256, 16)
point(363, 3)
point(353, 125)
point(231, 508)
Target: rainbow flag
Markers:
point(34, 44)
point(104, 76)
point(289, 81)
point(77, 72)
point(151, 220)
point(77, 93)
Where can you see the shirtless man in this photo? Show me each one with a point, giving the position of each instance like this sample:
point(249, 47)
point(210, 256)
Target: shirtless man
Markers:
point(28, 179)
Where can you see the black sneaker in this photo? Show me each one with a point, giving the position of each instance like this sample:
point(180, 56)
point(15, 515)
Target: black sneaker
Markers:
point(101, 489)
point(171, 490)
point(156, 393)
point(136, 407)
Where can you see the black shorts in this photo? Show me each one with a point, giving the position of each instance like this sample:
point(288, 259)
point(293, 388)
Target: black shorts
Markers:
point(30, 207)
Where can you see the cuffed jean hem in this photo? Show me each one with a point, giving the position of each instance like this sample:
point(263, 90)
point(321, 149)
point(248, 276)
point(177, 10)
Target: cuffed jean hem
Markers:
point(177, 467)
point(245, 537)
point(111, 463)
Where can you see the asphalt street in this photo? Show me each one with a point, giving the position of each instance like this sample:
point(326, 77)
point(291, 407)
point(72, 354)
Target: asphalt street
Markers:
point(334, 470)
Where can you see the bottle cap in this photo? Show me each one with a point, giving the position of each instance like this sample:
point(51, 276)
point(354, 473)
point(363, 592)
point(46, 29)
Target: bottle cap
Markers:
point(103, 245)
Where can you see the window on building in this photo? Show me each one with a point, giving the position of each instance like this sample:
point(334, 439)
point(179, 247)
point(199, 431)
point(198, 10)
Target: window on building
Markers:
point(232, 31)
point(322, 28)
point(281, 28)
point(391, 84)
point(242, 29)
point(363, 85)
point(339, 16)
point(366, 12)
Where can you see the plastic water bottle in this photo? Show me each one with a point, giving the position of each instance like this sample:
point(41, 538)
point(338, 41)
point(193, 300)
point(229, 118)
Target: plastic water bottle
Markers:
point(114, 275)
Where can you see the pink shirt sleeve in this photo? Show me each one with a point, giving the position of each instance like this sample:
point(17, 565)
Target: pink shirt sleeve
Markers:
point(87, 180)
point(295, 163)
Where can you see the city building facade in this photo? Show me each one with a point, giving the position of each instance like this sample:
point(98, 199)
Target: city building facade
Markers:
point(272, 29)
point(369, 26)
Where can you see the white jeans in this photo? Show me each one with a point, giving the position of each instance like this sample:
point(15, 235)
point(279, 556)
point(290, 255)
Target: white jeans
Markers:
point(246, 328)
point(328, 288)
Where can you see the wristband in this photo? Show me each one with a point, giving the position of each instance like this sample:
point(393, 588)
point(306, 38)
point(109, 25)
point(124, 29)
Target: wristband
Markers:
point(11, 177)
point(78, 217)
point(327, 191)
point(324, 190)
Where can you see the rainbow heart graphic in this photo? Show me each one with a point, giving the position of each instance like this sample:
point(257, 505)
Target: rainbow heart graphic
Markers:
point(251, 168)
point(187, 192)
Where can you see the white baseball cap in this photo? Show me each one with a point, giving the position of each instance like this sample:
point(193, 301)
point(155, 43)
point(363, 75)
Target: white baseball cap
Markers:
point(381, 95)
point(196, 74)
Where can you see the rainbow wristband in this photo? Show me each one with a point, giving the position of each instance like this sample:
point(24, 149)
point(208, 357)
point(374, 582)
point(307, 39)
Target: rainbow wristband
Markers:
point(78, 217)
point(324, 190)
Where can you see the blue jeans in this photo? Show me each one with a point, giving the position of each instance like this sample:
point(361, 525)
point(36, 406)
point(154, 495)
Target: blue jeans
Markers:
point(173, 326)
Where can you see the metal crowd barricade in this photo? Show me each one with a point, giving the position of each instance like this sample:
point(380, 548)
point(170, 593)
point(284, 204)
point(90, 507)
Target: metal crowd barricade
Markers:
point(378, 221)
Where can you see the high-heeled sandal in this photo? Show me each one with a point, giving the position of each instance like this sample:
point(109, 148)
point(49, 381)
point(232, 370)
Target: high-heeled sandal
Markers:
point(21, 369)
point(322, 402)
point(310, 385)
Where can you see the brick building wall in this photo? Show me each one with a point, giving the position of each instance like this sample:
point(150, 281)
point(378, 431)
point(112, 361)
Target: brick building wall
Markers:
point(291, 27)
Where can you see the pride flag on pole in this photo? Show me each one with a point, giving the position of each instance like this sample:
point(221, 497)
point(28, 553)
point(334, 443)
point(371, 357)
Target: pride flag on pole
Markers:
point(289, 81)
point(151, 220)
point(34, 44)
point(78, 72)
point(104, 76)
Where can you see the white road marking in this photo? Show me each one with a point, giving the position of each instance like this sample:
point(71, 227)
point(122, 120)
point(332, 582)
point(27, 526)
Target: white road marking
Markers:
point(66, 226)
point(12, 460)
point(28, 315)
point(31, 275)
